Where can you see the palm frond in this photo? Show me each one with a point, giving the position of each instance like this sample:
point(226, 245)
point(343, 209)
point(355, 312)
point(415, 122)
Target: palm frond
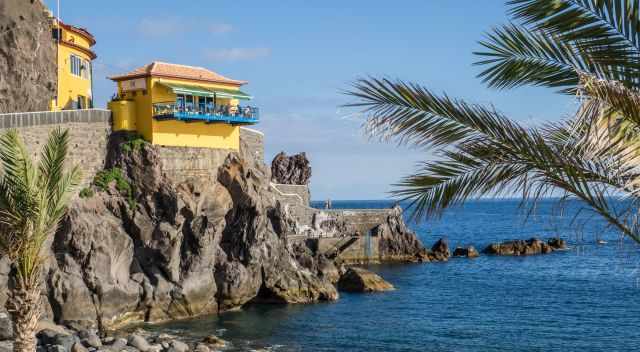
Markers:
point(516, 56)
point(601, 22)
point(483, 153)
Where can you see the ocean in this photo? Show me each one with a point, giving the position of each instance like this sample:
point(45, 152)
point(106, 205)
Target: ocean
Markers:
point(584, 299)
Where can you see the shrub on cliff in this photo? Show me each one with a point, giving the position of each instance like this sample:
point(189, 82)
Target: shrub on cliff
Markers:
point(105, 178)
point(33, 200)
point(133, 143)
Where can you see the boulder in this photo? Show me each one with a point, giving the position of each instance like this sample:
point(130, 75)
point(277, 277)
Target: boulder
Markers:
point(557, 243)
point(53, 338)
point(6, 346)
point(291, 170)
point(179, 346)
point(139, 342)
point(469, 252)
point(361, 280)
point(440, 250)
point(78, 347)
point(213, 341)
point(531, 246)
point(202, 348)
point(90, 338)
point(6, 327)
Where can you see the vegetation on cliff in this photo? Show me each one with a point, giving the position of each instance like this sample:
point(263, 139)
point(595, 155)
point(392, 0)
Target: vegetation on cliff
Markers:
point(588, 47)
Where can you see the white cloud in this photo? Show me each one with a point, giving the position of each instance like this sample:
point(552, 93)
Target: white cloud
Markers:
point(237, 54)
point(220, 28)
point(169, 27)
point(152, 28)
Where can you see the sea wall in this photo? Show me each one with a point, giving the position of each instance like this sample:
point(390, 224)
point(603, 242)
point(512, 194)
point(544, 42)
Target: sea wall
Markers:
point(252, 143)
point(363, 248)
point(89, 131)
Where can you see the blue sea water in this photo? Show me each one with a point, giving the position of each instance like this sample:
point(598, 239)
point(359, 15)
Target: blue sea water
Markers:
point(583, 299)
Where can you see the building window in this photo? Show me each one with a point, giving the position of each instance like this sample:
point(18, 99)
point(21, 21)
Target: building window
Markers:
point(80, 67)
point(189, 105)
point(76, 62)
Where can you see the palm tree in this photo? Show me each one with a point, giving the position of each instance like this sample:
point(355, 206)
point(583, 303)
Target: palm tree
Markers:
point(587, 48)
point(33, 200)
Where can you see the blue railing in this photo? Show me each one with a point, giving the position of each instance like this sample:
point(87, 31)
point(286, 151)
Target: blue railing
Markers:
point(236, 115)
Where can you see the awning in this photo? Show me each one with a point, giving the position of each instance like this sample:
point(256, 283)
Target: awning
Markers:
point(206, 92)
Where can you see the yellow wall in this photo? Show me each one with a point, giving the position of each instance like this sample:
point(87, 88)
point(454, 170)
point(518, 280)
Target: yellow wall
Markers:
point(71, 86)
point(179, 133)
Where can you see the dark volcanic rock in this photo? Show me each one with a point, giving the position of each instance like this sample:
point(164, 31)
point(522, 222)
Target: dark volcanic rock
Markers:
point(291, 170)
point(27, 57)
point(469, 252)
point(396, 242)
point(361, 280)
point(440, 251)
point(557, 243)
point(525, 247)
point(175, 251)
point(168, 251)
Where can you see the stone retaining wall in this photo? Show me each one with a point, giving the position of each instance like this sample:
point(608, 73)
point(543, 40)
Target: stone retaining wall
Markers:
point(182, 163)
point(253, 140)
point(356, 252)
point(89, 131)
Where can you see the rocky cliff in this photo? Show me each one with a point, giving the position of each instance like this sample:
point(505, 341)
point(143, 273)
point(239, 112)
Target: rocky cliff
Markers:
point(148, 250)
point(142, 248)
point(27, 57)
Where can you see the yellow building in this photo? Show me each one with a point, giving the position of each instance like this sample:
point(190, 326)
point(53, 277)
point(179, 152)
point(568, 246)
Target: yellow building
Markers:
point(178, 105)
point(75, 87)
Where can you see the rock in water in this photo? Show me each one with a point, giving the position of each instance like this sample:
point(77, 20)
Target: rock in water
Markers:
point(525, 247)
point(396, 242)
point(557, 243)
point(440, 250)
point(469, 252)
point(361, 280)
point(291, 170)
point(28, 77)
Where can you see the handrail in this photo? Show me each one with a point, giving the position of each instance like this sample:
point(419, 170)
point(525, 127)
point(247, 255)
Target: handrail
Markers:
point(232, 113)
point(50, 112)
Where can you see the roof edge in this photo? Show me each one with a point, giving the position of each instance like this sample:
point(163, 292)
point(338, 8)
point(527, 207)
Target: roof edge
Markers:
point(119, 78)
point(79, 31)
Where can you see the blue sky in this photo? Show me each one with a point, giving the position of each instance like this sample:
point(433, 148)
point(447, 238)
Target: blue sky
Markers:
point(299, 56)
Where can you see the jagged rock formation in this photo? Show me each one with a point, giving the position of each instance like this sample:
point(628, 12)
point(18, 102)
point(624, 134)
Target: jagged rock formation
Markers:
point(291, 170)
point(396, 242)
point(177, 251)
point(27, 57)
point(525, 247)
point(146, 249)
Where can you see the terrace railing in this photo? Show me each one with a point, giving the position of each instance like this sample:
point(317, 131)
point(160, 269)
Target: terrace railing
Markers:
point(235, 115)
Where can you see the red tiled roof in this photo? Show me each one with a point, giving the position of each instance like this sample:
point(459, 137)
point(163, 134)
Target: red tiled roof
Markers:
point(80, 31)
point(163, 69)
